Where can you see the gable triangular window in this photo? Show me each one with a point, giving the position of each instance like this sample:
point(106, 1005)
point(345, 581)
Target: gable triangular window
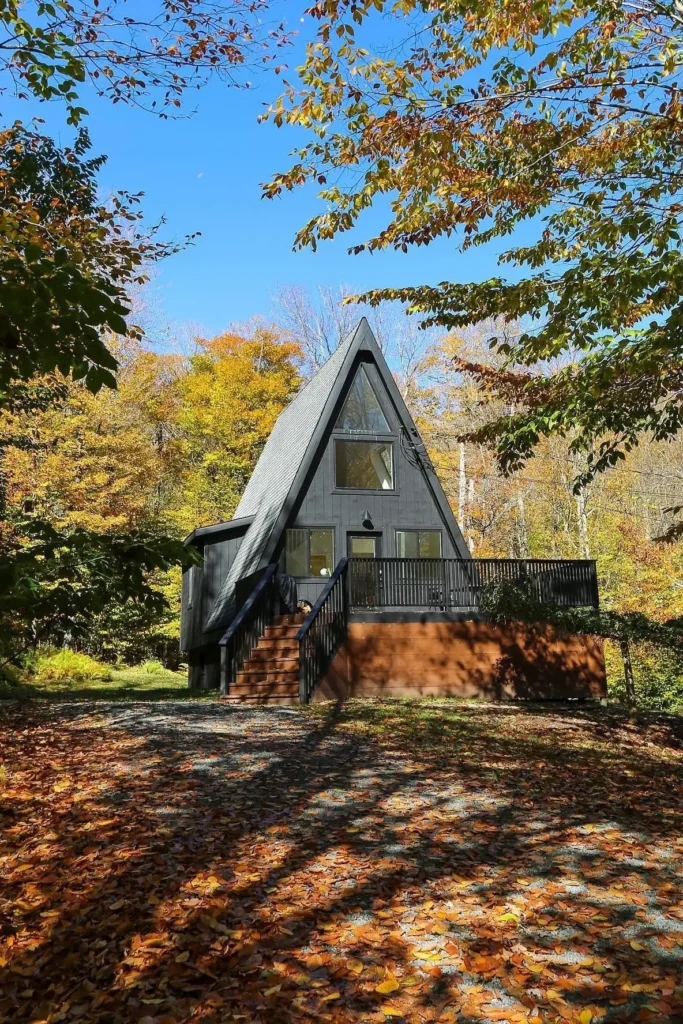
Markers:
point(362, 413)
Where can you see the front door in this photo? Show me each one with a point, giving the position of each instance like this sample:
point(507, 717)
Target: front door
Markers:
point(366, 576)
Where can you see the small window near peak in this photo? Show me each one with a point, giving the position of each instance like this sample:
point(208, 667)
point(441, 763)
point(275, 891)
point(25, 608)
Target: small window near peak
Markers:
point(362, 413)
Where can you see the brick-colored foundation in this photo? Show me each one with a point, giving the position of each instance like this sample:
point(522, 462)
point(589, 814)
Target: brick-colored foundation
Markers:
point(464, 659)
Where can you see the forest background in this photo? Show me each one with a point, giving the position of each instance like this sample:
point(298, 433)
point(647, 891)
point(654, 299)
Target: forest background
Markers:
point(173, 447)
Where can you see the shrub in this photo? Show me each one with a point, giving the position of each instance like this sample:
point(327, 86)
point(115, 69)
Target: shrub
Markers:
point(69, 666)
point(658, 677)
point(10, 679)
point(153, 667)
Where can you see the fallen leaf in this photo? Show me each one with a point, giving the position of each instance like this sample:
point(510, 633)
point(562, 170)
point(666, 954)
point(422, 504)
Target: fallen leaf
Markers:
point(390, 984)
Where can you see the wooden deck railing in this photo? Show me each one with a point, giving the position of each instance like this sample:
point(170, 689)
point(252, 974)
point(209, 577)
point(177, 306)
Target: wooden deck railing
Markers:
point(442, 584)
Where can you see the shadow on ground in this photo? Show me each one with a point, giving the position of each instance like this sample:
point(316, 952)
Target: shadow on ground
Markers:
point(418, 860)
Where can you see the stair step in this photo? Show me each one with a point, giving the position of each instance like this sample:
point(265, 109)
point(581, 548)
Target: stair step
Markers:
point(271, 665)
point(282, 632)
point(293, 619)
point(274, 653)
point(276, 644)
point(264, 673)
point(267, 687)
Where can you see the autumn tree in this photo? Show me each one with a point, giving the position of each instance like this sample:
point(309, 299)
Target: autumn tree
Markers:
point(148, 58)
point(535, 513)
point(67, 261)
point(234, 391)
point(473, 121)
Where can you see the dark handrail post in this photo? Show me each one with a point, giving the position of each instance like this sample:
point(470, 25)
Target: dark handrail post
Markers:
point(302, 675)
point(226, 679)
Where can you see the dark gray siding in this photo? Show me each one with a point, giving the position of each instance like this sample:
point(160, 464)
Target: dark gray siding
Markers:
point(219, 553)
point(190, 604)
point(410, 506)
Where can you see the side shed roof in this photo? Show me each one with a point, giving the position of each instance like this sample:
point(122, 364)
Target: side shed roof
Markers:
point(227, 527)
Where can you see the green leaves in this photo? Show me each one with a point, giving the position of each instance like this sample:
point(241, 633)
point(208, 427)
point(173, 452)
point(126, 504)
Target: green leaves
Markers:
point(566, 120)
point(54, 582)
point(65, 262)
point(57, 46)
point(510, 602)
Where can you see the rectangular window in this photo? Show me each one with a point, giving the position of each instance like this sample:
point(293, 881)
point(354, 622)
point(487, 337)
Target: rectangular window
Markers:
point(309, 552)
point(190, 587)
point(363, 465)
point(418, 544)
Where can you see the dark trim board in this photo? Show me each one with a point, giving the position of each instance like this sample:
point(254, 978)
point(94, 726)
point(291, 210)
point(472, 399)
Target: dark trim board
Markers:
point(229, 526)
point(406, 615)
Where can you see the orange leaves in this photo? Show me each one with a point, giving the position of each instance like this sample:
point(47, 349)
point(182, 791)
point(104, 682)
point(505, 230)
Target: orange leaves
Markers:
point(223, 899)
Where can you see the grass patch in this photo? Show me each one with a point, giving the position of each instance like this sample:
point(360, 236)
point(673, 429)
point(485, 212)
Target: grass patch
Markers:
point(124, 683)
point(542, 735)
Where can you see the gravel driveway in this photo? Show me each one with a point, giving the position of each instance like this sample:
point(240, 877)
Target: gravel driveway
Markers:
point(166, 863)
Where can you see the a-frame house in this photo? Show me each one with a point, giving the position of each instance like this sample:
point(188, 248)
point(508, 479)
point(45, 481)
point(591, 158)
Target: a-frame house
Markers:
point(344, 569)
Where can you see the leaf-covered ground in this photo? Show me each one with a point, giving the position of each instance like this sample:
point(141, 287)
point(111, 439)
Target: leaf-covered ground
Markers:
point(426, 861)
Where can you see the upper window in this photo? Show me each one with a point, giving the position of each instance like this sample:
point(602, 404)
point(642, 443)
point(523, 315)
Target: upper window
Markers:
point(362, 413)
point(309, 552)
point(418, 544)
point(363, 465)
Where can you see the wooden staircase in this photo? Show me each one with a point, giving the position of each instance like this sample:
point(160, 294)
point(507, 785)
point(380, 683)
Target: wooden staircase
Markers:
point(271, 673)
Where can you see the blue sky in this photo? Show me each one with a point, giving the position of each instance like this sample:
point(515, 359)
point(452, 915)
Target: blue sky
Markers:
point(203, 174)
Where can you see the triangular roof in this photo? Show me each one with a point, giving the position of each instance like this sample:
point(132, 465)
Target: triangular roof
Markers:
point(293, 445)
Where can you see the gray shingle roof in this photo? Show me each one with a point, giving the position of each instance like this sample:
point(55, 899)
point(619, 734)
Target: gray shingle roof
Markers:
point(275, 473)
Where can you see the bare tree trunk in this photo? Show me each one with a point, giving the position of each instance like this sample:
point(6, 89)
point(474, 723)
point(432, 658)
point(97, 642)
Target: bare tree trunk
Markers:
point(462, 488)
point(470, 504)
point(582, 518)
point(628, 673)
point(522, 533)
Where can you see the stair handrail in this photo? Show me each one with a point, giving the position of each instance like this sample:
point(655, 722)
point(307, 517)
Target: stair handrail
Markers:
point(247, 626)
point(322, 631)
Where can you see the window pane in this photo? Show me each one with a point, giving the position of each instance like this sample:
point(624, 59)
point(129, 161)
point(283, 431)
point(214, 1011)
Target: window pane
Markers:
point(363, 547)
point(361, 464)
point(430, 544)
point(418, 544)
point(296, 557)
point(406, 544)
point(362, 412)
point(322, 552)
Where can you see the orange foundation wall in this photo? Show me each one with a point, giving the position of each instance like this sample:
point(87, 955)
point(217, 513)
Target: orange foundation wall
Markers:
point(464, 659)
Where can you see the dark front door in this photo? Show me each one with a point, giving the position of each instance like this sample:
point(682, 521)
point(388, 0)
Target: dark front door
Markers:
point(366, 572)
